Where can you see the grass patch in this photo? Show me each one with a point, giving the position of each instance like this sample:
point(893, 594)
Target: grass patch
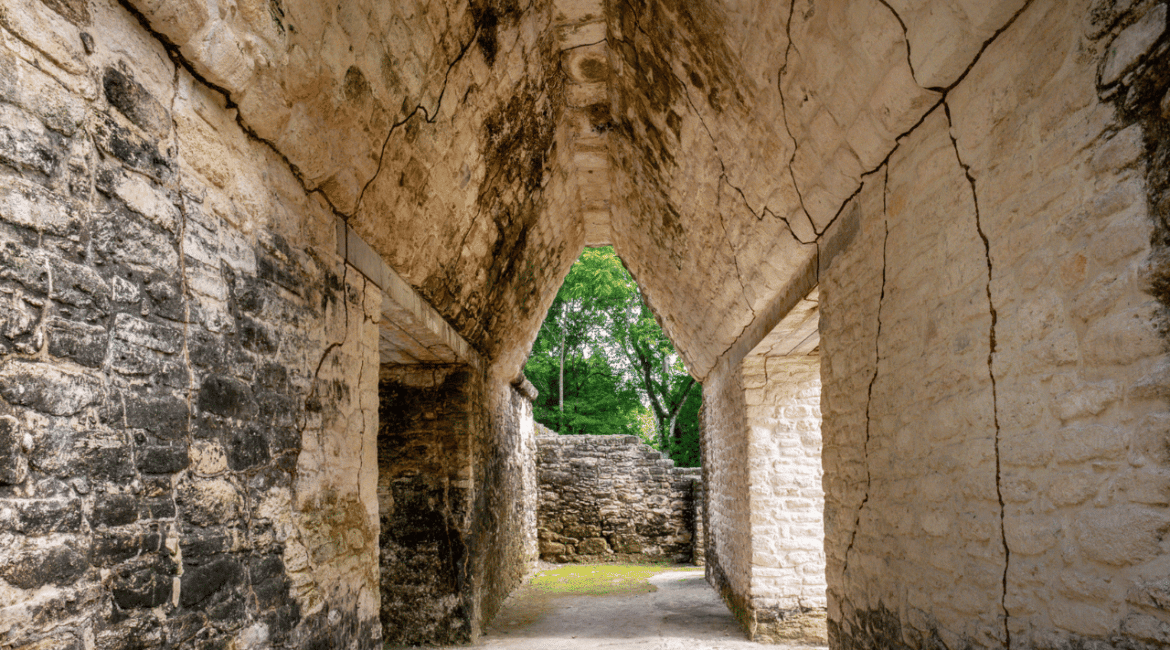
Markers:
point(596, 580)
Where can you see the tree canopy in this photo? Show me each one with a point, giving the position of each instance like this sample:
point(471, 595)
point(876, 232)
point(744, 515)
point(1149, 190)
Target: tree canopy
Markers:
point(603, 366)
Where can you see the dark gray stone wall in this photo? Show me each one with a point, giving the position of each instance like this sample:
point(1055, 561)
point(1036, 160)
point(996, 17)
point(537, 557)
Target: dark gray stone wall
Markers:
point(162, 363)
point(613, 499)
point(426, 416)
point(456, 499)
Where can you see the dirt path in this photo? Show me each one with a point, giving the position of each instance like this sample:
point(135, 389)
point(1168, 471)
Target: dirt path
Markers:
point(583, 607)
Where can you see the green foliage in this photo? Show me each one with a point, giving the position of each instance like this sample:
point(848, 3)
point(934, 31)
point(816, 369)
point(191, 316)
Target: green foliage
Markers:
point(618, 371)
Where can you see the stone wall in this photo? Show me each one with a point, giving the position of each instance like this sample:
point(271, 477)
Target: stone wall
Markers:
point(994, 386)
point(782, 395)
point(187, 370)
point(726, 482)
point(613, 499)
point(427, 416)
point(503, 546)
point(457, 501)
point(763, 451)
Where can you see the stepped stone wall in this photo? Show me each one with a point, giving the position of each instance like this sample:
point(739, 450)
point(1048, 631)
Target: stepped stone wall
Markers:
point(613, 499)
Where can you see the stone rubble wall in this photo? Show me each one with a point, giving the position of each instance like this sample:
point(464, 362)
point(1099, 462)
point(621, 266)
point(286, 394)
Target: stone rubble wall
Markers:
point(613, 499)
point(187, 371)
point(994, 355)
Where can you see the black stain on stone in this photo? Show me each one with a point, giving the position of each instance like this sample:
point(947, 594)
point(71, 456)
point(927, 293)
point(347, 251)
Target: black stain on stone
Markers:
point(1143, 97)
point(162, 460)
point(199, 545)
point(488, 16)
point(226, 396)
point(600, 117)
point(594, 69)
point(114, 547)
point(106, 463)
point(77, 341)
point(164, 416)
point(355, 86)
point(115, 510)
point(132, 150)
point(144, 583)
point(199, 583)
point(59, 565)
point(132, 100)
point(246, 447)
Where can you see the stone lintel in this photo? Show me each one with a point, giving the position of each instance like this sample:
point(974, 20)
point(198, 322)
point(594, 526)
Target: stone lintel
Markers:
point(411, 330)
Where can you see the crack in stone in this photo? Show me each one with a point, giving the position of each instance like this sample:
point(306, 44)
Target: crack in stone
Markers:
point(944, 93)
point(876, 366)
point(722, 222)
point(990, 371)
point(723, 175)
point(429, 116)
point(735, 261)
point(905, 37)
point(784, 118)
point(570, 49)
point(982, 49)
point(179, 60)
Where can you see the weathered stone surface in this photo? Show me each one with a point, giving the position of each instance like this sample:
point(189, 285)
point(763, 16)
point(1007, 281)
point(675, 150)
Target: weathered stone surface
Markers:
point(48, 390)
point(14, 447)
point(979, 189)
point(604, 499)
point(58, 565)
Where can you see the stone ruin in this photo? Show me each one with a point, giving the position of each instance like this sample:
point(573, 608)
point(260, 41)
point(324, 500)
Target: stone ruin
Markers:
point(614, 499)
point(269, 270)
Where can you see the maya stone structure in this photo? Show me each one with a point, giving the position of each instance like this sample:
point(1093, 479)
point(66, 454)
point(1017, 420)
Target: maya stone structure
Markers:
point(269, 270)
point(614, 498)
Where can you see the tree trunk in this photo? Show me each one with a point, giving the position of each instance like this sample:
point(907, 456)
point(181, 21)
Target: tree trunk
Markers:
point(561, 386)
point(678, 409)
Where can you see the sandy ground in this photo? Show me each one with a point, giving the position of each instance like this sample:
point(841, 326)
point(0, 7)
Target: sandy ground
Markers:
point(684, 613)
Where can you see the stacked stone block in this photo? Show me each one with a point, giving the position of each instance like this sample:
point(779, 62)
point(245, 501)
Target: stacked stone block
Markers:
point(772, 574)
point(613, 499)
point(451, 547)
point(169, 355)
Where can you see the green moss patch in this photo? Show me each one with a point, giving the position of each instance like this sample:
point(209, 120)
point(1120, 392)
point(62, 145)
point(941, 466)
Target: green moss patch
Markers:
point(596, 580)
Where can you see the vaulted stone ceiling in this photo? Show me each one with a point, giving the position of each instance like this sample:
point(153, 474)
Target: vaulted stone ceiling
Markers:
point(477, 147)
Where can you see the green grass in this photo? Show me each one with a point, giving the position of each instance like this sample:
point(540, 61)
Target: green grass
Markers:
point(597, 580)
